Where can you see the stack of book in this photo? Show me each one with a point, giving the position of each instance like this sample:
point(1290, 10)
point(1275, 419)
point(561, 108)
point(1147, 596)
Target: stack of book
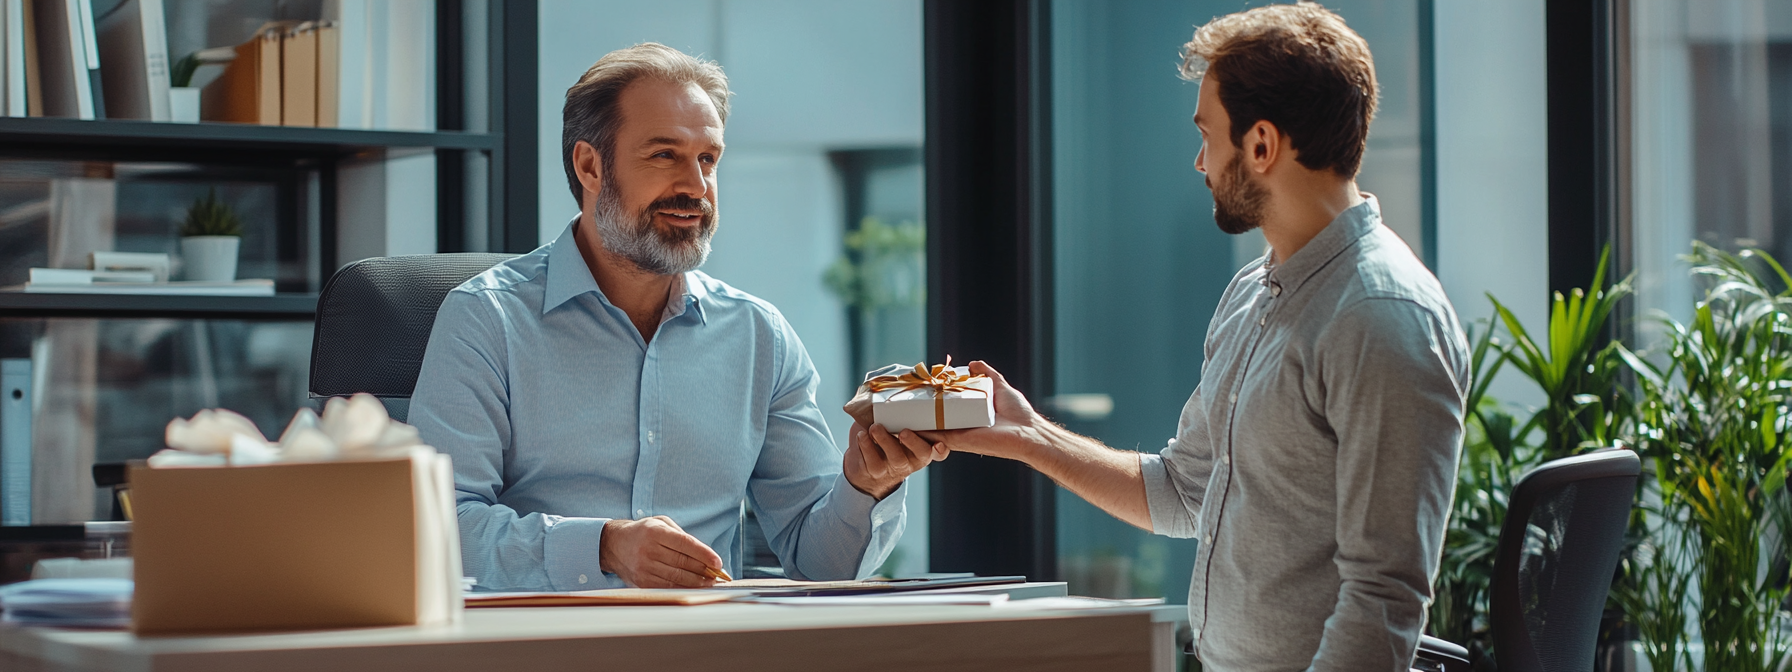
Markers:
point(59, 59)
point(133, 273)
point(287, 75)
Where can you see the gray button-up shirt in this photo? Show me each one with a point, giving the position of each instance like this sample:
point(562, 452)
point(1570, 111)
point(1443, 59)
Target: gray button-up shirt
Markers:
point(1317, 458)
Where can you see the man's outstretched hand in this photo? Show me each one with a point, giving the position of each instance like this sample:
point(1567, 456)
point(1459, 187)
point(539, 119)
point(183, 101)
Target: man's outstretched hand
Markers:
point(1017, 433)
point(656, 553)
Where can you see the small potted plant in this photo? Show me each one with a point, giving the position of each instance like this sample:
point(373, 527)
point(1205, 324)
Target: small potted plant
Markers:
point(210, 239)
point(183, 97)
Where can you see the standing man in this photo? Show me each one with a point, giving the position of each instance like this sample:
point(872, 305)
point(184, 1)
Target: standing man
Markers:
point(608, 406)
point(1316, 459)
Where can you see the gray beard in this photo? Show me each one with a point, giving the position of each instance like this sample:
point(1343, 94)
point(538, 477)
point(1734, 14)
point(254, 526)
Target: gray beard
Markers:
point(642, 244)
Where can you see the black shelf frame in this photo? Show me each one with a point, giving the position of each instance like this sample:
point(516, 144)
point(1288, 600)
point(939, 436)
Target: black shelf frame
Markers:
point(279, 307)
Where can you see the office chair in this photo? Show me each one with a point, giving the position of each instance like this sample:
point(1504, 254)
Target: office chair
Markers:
point(373, 322)
point(1558, 550)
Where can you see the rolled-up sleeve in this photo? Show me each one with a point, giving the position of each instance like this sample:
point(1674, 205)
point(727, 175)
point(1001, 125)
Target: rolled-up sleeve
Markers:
point(1176, 477)
point(462, 407)
point(1391, 371)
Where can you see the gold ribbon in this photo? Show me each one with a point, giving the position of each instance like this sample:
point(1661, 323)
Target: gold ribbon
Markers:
point(942, 378)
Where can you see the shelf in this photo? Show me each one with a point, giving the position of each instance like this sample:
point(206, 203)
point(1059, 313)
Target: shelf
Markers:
point(295, 307)
point(144, 140)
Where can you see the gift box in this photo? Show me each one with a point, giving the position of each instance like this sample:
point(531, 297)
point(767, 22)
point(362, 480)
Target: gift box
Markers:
point(923, 398)
point(296, 546)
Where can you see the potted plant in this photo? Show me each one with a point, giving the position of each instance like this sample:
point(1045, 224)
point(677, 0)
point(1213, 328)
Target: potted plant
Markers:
point(183, 97)
point(210, 239)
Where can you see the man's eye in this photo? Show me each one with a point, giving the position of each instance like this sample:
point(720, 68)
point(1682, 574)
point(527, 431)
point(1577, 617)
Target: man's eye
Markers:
point(663, 155)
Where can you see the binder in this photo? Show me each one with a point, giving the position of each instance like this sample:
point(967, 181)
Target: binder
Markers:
point(329, 73)
point(298, 81)
point(134, 46)
point(248, 92)
point(15, 442)
point(16, 85)
point(64, 77)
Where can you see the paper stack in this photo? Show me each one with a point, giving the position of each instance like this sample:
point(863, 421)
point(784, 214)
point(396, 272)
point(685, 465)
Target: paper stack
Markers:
point(68, 603)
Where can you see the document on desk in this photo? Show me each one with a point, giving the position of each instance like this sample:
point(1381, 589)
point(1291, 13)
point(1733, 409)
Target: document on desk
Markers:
point(605, 597)
point(793, 588)
point(971, 599)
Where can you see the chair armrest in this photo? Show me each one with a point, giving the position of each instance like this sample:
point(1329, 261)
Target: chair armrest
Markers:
point(1437, 654)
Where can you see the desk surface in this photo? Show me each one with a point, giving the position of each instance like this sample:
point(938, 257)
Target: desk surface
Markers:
point(733, 636)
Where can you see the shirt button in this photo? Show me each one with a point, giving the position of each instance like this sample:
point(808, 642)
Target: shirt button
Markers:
point(581, 579)
point(1275, 289)
point(640, 512)
point(1232, 398)
point(1226, 458)
point(650, 436)
point(1262, 320)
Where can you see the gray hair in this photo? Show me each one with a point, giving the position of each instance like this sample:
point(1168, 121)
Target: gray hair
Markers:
point(591, 113)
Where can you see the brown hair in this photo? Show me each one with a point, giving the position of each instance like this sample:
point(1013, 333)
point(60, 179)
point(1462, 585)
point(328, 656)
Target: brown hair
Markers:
point(1298, 67)
point(591, 113)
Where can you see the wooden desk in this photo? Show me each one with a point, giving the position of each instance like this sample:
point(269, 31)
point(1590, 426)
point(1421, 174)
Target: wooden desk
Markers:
point(711, 637)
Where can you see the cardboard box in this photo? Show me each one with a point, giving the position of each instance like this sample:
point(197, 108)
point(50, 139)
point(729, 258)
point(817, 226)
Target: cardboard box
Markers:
point(295, 546)
point(921, 409)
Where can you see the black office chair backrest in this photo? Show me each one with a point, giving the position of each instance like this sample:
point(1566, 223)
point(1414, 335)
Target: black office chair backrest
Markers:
point(1558, 552)
point(374, 318)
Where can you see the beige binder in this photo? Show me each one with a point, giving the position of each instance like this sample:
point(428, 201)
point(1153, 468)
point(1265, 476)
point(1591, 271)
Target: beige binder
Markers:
point(248, 92)
point(298, 82)
point(329, 73)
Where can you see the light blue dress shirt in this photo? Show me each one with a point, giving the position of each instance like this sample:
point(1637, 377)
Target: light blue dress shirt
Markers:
point(560, 417)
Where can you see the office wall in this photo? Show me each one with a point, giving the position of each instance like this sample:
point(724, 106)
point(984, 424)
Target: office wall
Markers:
point(1492, 195)
point(809, 76)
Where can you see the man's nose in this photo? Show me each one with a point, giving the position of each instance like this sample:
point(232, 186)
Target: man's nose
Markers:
point(690, 180)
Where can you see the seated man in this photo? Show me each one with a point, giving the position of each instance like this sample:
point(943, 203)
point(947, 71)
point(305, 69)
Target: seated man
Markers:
point(608, 407)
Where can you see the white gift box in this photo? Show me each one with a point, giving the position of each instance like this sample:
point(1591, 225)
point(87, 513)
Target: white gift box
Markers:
point(921, 409)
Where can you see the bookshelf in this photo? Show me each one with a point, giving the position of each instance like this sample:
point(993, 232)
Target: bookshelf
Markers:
point(95, 139)
point(248, 353)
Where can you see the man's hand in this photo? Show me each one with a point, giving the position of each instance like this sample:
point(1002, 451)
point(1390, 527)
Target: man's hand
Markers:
point(1018, 433)
point(877, 461)
point(656, 553)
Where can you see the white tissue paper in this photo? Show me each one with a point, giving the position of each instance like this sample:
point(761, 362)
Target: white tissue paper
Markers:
point(351, 427)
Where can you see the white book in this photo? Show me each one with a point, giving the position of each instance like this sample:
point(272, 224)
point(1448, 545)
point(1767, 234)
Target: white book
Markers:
point(16, 105)
point(354, 99)
point(5, 54)
point(175, 288)
point(85, 58)
point(81, 277)
point(133, 42)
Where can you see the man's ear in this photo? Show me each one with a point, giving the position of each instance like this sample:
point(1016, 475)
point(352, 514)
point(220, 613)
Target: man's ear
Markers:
point(589, 168)
point(1262, 146)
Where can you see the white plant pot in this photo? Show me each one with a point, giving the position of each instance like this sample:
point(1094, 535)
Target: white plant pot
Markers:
point(183, 104)
point(209, 258)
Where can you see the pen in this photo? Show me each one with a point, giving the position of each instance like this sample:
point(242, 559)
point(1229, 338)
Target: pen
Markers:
point(718, 574)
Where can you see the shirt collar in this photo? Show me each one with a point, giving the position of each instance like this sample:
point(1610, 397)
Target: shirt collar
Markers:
point(1339, 235)
point(568, 276)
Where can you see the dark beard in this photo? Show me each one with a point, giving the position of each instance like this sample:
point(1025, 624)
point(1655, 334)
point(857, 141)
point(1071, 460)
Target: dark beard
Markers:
point(1239, 206)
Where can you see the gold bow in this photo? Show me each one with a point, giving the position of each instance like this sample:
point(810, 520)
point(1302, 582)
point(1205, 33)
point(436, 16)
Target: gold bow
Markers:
point(942, 379)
